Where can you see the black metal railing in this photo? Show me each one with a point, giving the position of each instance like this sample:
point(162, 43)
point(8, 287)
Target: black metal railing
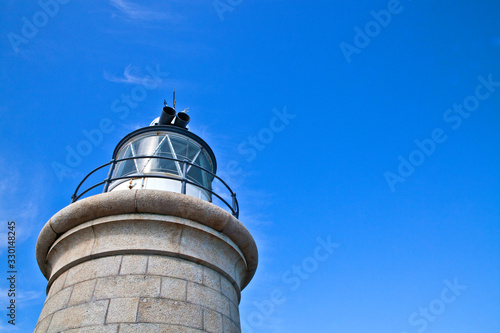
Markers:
point(183, 179)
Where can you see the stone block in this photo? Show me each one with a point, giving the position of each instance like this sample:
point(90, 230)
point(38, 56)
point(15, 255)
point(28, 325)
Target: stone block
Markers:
point(87, 314)
point(95, 268)
point(57, 285)
point(136, 234)
point(122, 310)
point(240, 273)
point(173, 288)
point(127, 286)
point(234, 313)
point(212, 321)
point(43, 325)
point(199, 294)
point(71, 247)
point(244, 240)
point(211, 278)
point(174, 267)
point(209, 248)
point(230, 326)
point(58, 301)
point(82, 292)
point(134, 264)
point(155, 310)
point(230, 291)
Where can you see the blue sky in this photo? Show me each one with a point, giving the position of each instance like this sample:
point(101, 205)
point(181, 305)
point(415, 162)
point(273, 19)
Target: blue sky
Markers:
point(371, 127)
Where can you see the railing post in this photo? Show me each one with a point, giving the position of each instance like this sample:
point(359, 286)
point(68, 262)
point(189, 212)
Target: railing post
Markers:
point(184, 176)
point(233, 196)
point(110, 174)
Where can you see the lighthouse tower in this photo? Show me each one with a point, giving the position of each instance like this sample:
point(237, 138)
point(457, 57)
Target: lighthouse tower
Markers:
point(161, 249)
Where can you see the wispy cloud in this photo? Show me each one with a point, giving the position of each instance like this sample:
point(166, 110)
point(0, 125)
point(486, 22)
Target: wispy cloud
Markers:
point(136, 12)
point(131, 75)
point(23, 296)
point(134, 75)
point(16, 204)
point(8, 328)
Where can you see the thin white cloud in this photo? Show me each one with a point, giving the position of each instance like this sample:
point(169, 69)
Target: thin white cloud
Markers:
point(23, 296)
point(8, 328)
point(17, 205)
point(131, 75)
point(136, 76)
point(136, 12)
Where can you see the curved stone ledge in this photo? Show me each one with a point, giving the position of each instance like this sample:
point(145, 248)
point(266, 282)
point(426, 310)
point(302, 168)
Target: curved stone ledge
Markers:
point(157, 213)
point(147, 234)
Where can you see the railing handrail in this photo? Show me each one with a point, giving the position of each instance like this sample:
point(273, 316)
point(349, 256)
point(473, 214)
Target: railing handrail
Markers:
point(234, 206)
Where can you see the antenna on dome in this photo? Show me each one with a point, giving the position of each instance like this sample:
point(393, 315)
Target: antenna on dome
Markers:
point(174, 98)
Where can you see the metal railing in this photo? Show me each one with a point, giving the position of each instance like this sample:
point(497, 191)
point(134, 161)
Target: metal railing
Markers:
point(184, 180)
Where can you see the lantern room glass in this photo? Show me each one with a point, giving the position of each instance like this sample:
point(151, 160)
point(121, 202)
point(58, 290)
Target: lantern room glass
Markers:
point(164, 144)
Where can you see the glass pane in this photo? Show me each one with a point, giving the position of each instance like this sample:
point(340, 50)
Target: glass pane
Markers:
point(180, 147)
point(205, 162)
point(125, 168)
point(167, 166)
point(195, 175)
point(146, 146)
point(193, 150)
point(163, 165)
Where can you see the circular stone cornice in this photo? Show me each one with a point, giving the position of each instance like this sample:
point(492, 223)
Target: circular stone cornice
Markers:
point(146, 202)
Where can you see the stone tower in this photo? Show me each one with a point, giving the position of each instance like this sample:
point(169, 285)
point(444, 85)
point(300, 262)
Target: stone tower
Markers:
point(153, 252)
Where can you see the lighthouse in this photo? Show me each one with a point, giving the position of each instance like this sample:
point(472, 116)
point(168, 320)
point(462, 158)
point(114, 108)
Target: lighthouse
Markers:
point(161, 249)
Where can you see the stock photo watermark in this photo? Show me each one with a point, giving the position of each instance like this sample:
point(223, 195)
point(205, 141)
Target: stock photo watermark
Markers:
point(292, 280)
point(223, 6)
point(421, 319)
point(373, 28)
point(255, 143)
point(453, 116)
point(94, 137)
point(11, 272)
point(30, 28)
